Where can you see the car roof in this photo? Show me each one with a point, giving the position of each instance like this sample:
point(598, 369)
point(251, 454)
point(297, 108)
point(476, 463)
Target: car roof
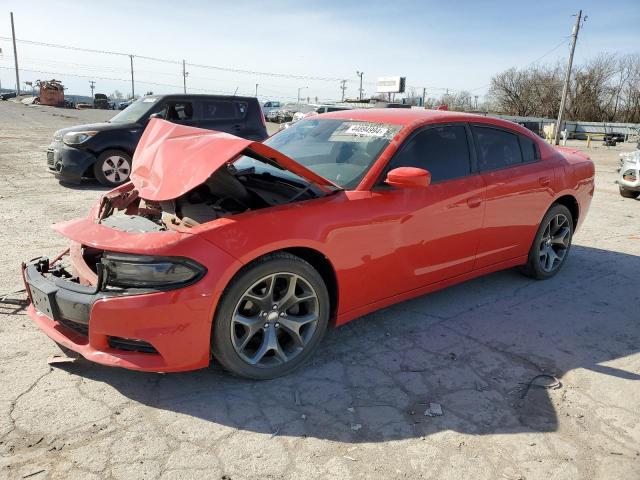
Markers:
point(200, 96)
point(416, 117)
point(404, 116)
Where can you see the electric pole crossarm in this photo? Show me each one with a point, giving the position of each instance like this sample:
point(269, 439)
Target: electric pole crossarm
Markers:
point(567, 78)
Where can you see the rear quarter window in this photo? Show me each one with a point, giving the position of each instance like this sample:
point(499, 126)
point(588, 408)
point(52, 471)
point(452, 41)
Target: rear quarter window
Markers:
point(530, 151)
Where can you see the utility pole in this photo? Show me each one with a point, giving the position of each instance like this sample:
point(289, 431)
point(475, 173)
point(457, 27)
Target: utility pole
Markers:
point(92, 86)
point(360, 74)
point(133, 88)
point(184, 76)
point(476, 97)
point(300, 88)
point(565, 89)
point(343, 87)
point(256, 90)
point(15, 55)
point(424, 98)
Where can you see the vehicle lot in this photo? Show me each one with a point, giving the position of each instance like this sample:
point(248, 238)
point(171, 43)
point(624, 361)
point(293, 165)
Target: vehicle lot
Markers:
point(356, 411)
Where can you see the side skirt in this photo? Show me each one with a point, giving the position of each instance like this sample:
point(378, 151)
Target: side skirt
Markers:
point(385, 302)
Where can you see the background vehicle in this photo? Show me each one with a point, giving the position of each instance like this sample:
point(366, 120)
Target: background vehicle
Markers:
point(125, 104)
point(629, 179)
point(331, 108)
point(7, 95)
point(104, 150)
point(253, 248)
point(269, 107)
point(100, 100)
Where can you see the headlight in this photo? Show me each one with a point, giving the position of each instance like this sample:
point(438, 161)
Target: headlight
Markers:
point(76, 138)
point(138, 271)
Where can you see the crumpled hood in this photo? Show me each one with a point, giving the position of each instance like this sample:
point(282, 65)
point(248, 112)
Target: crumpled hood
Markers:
point(172, 159)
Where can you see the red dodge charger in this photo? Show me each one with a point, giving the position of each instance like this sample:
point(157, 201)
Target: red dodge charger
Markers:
point(245, 252)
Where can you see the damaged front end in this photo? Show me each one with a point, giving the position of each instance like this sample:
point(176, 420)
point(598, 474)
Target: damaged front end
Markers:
point(133, 290)
point(183, 177)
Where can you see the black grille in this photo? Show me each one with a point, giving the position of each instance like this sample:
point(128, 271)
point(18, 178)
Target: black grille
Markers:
point(81, 328)
point(50, 158)
point(131, 345)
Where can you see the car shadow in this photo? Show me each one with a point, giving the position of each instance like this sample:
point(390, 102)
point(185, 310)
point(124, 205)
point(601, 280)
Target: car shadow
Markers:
point(87, 184)
point(471, 348)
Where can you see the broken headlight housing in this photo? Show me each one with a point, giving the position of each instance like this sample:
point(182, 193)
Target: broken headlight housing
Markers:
point(76, 138)
point(141, 271)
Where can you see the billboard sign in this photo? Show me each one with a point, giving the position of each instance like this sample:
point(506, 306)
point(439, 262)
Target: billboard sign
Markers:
point(391, 84)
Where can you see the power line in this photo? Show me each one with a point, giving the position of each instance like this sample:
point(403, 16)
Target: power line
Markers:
point(176, 62)
point(563, 42)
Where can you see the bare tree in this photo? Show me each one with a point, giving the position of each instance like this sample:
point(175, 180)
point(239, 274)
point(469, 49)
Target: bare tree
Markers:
point(605, 88)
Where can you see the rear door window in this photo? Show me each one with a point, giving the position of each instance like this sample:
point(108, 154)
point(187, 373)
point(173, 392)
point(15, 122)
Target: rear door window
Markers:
point(179, 111)
point(496, 148)
point(224, 110)
point(443, 151)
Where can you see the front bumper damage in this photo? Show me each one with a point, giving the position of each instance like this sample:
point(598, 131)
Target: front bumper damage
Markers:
point(147, 332)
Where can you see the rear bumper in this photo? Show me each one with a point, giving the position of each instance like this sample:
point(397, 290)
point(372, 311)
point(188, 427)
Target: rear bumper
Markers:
point(158, 332)
point(67, 163)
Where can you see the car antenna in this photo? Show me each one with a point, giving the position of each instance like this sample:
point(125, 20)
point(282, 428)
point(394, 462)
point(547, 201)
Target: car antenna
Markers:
point(234, 93)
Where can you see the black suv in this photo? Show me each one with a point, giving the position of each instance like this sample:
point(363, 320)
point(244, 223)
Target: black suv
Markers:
point(104, 150)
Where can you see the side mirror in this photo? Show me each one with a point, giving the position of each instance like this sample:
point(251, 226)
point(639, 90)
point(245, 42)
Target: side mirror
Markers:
point(408, 177)
point(155, 115)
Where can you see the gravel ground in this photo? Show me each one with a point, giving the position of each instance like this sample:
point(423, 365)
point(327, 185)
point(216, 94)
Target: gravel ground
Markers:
point(356, 411)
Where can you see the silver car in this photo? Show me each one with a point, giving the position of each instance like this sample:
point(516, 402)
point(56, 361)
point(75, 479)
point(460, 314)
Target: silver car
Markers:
point(629, 179)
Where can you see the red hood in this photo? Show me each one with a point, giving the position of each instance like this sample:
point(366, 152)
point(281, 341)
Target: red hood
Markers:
point(172, 159)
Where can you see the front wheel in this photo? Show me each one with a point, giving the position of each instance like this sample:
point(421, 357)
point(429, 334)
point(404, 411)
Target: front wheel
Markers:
point(551, 244)
point(112, 168)
point(271, 318)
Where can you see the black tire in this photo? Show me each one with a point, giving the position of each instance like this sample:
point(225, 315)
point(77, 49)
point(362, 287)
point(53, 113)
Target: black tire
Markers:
point(628, 193)
point(541, 265)
point(236, 358)
point(105, 163)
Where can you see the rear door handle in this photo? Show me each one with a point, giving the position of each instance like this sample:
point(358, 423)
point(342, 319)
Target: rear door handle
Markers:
point(544, 181)
point(474, 202)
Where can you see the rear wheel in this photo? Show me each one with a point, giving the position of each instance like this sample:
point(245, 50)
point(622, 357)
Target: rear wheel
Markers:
point(629, 193)
point(551, 244)
point(271, 317)
point(112, 168)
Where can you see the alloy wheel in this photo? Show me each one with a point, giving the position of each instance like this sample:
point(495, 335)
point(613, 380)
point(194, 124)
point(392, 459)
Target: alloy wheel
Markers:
point(555, 242)
point(275, 319)
point(116, 168)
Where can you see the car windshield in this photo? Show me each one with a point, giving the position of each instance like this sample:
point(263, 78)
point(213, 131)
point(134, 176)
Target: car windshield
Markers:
point(136, 111)
point(339, 150)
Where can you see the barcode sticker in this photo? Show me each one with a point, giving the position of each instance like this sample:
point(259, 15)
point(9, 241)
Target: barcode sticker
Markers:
point(366, 130)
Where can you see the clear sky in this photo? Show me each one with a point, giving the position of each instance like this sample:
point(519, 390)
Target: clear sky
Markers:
point(436, 44)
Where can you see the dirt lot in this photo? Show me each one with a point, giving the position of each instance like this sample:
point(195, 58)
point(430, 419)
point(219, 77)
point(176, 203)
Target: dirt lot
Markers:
point(358, 410)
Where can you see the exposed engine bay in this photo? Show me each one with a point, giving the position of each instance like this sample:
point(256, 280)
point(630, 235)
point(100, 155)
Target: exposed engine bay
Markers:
point(228, 191)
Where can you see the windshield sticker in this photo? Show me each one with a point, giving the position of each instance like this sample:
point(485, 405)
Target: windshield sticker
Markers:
point(149, 100)
point(363, 132)
point(366, 130)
